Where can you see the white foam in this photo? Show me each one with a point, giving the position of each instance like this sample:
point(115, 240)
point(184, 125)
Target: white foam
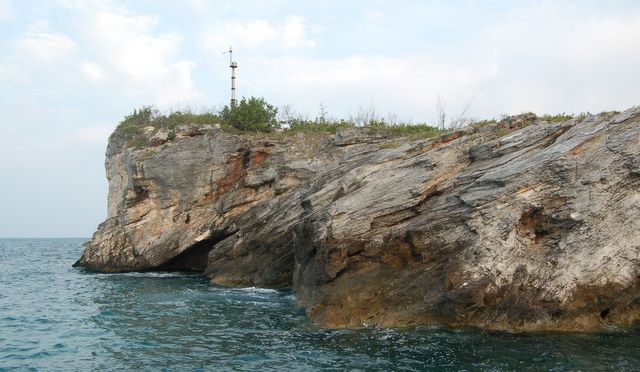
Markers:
point(152, 274)
point(257, 290)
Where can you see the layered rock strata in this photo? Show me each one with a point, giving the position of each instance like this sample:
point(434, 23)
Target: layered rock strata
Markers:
point(538, 229)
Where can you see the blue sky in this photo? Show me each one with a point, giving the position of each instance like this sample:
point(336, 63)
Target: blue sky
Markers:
point(70, 70)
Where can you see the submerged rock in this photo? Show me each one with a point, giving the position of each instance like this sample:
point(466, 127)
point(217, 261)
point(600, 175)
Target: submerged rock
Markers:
point(536, 230)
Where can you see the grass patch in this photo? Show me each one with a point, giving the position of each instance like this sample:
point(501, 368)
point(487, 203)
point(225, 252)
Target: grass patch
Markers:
point(412, 131)
point(390, 145)
point(501, 132)
point(379, 127)
point(147, 154)
point(556, 118)
point(138, 142)
point(482, 123)
point(316, 126)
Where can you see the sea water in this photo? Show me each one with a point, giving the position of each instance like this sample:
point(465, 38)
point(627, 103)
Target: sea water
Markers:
point(55, 317)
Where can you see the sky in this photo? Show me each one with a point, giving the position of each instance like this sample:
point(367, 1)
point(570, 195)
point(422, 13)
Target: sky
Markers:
point(70, 70)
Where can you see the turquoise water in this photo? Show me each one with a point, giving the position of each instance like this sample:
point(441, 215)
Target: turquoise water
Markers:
point(55, 317)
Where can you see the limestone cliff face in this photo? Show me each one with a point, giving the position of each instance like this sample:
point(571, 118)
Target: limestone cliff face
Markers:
point(537, 229)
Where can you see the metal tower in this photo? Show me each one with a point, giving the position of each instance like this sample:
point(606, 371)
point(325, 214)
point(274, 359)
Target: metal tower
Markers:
point(233, 66)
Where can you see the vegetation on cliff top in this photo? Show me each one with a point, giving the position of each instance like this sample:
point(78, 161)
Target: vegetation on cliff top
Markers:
point(255, 115)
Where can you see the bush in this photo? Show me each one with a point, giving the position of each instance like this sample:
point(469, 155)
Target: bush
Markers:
point(133, 124)
point(140, 117)
point(253, 114)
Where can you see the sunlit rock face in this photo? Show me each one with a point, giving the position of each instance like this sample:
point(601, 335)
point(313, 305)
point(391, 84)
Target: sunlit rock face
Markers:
point(527, 225)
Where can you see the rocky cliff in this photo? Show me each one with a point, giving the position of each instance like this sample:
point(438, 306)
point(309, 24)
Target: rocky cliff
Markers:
point(520, 225)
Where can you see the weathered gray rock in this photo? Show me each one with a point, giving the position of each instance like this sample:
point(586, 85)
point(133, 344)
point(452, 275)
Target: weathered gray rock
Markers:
point(538, 229)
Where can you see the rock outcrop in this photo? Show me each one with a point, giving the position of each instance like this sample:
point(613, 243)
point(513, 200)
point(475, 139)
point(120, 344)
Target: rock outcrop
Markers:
point(538, 229)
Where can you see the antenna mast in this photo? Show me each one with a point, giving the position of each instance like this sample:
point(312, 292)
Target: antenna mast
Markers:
point(233, 66)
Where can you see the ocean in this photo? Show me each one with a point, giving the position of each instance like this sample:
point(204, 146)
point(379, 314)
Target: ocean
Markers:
point(56, 317)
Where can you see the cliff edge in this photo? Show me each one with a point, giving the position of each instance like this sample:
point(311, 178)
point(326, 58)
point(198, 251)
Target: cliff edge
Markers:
point(519, 225)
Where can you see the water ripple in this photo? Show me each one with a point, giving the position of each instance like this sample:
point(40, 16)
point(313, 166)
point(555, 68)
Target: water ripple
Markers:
point(54, 317)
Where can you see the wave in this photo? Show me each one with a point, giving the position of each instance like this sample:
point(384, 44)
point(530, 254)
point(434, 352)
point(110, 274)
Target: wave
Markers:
point(256, 290)
point(154, 274)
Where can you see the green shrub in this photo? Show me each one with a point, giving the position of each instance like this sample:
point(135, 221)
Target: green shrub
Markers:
point(133, 124)
point(253, 114)
point(140, 117)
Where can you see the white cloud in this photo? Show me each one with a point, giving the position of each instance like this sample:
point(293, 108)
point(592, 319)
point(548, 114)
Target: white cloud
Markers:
point(406, 86)
point(113, 47)
point(547, 62)
point(539, 59)
point(42, 45)
point(6, 9)
point(254, 34)
point(294, 34)
point(92, 71)
point(146, 64)
point(39, 62)
point(536, 58)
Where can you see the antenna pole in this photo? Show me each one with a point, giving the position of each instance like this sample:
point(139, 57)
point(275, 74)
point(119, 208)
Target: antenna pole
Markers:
point(233, 66)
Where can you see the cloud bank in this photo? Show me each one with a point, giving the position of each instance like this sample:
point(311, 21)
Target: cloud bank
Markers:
point(70, 70)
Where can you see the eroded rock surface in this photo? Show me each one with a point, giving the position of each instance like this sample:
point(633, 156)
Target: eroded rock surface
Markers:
point(534, 230)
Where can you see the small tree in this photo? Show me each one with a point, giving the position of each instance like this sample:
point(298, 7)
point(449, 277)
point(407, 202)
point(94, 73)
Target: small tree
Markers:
point(253, 114)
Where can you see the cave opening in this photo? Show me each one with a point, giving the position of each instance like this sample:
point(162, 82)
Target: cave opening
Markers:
point(194, 258)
